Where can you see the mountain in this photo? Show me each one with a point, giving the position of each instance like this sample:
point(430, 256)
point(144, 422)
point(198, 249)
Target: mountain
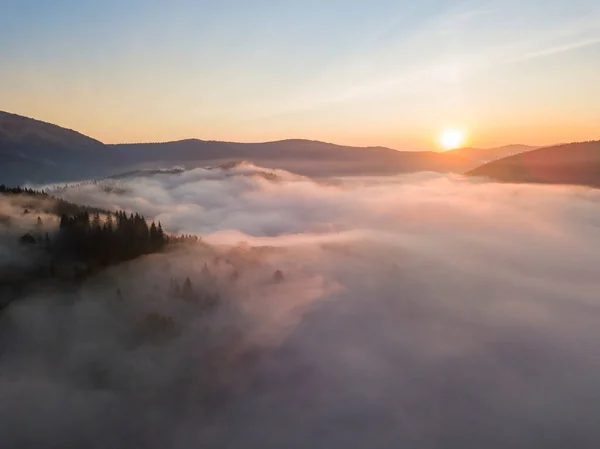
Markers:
point(23, 130)
point(31, 150)
point(484, 155)
point(305, 157)
point(574, 163)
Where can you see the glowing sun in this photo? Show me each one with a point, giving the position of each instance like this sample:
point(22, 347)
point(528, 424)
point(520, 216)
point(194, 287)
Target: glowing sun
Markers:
point(451, 139)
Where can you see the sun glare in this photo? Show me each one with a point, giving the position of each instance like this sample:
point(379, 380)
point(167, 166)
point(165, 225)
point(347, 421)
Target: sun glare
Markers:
point(451, 139)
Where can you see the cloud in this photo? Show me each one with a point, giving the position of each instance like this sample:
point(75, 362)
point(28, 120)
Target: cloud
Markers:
point(416, 311)
point(422, 58)
point(14, 223)
point(574, 45)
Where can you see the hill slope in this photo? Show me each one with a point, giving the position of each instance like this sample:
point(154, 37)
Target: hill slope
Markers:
point(484, 155)
point(17, 129)
point(38, 152)
point(301, 156)
point(32, 150)
point(574, 163)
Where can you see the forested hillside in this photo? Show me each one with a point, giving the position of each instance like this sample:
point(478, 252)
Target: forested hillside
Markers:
point(71, 242)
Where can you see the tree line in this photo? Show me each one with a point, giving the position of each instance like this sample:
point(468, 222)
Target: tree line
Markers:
point(55, 205)
point(112, 240)
point(89, 234)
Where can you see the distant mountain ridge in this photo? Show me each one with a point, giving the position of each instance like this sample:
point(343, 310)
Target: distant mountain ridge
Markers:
point(38, 152)
point(573, 163)
point(306, 157)
point(32, 150)
point(484, 155)
point(17, 128)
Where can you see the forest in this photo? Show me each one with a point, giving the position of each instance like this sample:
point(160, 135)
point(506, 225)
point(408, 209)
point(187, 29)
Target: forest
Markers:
point(86, 240)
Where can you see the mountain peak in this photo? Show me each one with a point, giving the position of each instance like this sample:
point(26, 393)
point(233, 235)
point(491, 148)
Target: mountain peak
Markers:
point(16, 128)
point(574, 163)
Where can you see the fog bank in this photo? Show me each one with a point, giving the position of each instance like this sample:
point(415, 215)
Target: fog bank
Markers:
point(421, 311)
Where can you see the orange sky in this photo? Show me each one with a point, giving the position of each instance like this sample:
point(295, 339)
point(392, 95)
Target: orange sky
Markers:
point(391, 74)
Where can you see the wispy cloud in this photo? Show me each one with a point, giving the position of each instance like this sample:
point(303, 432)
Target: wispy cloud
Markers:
point(450, 48)
point(556, 49)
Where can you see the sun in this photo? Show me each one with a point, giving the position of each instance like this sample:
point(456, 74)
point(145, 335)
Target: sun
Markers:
point(451, 139)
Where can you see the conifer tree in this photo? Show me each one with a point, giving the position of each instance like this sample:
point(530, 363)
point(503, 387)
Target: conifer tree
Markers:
point(109, 223)
point(96, 225)
point(187, 291)
point(64, 221)
point(161, 235)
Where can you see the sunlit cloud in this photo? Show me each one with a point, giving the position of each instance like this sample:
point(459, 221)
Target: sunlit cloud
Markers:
point(413, 305)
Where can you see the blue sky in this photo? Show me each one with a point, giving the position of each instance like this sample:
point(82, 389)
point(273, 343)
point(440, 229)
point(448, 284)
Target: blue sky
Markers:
point(376, 72)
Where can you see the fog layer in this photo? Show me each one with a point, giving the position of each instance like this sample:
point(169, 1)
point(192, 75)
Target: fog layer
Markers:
point(419, 311)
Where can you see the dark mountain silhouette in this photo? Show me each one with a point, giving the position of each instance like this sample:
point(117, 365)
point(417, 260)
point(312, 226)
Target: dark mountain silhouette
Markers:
point(31, 150)
point(574, 163)
point(18, 129)
point(38, 152)
point(484, 155)
point(301, 156)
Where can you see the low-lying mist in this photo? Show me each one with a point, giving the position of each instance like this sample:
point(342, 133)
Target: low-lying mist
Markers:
point(421, 311)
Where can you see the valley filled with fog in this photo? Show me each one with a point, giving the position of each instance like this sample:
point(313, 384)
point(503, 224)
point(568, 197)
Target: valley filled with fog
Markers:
point(418, 310)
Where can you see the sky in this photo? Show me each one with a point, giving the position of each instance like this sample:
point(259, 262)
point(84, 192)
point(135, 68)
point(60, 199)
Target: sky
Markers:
point(393, 73)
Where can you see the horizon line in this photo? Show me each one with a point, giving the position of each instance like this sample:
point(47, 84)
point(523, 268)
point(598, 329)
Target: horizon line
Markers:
point(262, 142)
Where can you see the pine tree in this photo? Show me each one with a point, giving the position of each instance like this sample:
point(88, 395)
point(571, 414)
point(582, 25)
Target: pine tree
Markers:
point(154, 243)
point(119, 219)
point(96, 224)
point(278, 276)
point(109, 223)
point(64, 221)
point(160, 236)
point(187, 291)
point(153, 232)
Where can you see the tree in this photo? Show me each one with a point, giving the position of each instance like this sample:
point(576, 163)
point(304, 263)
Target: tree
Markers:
point(96, 224)
point(109, 222)
point(154, 238)
point(278, 276)
point(153, 232)
point(27, 239)
point(92, 244)
point(187, 291)
point(161, 234)
point(64, 221)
